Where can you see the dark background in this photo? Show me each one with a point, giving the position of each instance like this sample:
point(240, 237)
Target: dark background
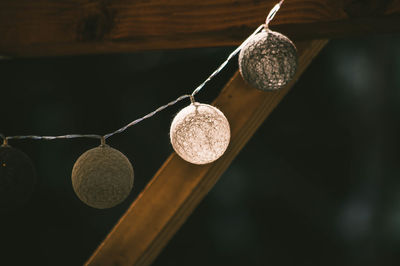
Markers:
point(318, 184)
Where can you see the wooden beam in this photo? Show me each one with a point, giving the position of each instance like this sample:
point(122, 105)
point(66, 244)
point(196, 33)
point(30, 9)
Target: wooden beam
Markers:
point(178, 187)
point(48, 27)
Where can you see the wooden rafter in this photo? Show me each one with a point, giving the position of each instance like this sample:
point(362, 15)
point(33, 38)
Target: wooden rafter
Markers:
point(178, 186)
point(48, 27)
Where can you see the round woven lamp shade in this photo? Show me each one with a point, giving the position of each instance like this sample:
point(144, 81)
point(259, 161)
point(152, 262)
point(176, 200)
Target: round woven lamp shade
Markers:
point(200, 133)
point(268, 61)
point(102, 177)
point(17, 178)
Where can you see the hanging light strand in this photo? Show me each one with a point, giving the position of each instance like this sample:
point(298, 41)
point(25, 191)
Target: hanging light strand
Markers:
point(222, 66)
point(270, 16)
point(159, 109)
point(70, 136)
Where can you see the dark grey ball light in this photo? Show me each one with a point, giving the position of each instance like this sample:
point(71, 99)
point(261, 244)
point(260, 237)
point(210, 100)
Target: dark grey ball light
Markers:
point(17, 178)
point(102, 177)
point(268, 61)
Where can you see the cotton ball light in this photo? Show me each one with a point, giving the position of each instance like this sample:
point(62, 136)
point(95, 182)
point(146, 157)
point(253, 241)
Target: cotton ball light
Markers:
point(17, 178)
point(102, 177)
point(268, 60)
point(200, 133)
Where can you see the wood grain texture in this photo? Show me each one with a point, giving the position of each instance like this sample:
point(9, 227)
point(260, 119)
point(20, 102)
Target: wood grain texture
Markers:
point(178, 187)
point(47, 27)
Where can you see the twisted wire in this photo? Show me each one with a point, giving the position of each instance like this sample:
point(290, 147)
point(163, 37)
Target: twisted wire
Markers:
point(273, 12)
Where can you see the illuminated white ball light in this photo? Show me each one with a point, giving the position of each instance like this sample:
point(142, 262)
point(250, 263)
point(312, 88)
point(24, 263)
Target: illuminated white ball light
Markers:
point(102, 177)
point(268, 61)
point(200, 133)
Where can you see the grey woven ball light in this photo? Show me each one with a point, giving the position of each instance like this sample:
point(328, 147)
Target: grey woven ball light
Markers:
point(268, 61)
point(102, 177)
point(200, 133)
point(17, 178)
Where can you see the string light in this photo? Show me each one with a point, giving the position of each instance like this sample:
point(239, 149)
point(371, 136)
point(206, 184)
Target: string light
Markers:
point(268, 61)
point(200, 133)
point(103, 177)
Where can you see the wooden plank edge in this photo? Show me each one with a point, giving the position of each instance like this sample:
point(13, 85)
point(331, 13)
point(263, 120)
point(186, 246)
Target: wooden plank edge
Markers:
point(356, 27)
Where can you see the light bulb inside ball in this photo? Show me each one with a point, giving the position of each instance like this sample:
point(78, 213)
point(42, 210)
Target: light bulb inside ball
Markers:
point(200, 133)
point(268, 61)
point(102, 177)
